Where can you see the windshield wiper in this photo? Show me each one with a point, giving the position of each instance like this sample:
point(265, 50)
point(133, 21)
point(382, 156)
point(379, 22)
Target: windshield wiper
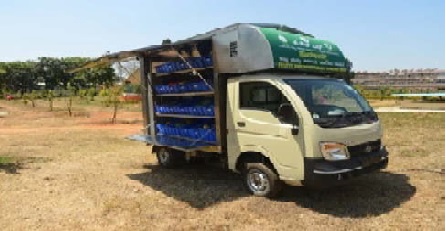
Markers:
point(338, 121)
point(346, 119)
point(365, 117)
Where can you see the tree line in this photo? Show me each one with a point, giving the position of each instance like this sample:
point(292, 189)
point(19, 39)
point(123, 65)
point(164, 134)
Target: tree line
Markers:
point(49, 73)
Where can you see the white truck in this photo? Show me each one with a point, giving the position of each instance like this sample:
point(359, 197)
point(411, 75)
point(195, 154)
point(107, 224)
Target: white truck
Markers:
point(265, 100)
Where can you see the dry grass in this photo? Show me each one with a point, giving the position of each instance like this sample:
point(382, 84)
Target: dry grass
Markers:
point(82, 175)
point(435, 105)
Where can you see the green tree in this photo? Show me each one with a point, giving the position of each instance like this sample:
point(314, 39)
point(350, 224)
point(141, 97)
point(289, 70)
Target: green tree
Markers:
point(51, 71)
point(17, 76)
point(54, 73)
point(94, 77)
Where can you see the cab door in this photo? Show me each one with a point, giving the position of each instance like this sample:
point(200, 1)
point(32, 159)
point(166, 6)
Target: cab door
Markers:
point(254, 125)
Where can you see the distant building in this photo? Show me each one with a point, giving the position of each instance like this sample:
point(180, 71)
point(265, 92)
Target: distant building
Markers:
point(414, 79)
point(129, 89)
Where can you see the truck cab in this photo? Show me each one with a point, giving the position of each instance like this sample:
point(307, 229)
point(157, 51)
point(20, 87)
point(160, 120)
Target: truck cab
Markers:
point(308, 130)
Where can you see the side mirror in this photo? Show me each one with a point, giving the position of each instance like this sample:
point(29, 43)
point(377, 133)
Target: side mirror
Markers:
point(287, 114)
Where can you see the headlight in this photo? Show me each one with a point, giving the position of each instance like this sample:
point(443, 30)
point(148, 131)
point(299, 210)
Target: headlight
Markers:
point(334, 151)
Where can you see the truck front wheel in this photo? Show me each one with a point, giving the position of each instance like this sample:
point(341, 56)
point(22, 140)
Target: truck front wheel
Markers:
point(169, 158)
point(261, 180)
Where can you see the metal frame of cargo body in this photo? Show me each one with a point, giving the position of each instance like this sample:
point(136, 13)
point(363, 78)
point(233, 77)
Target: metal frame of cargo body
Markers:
point(171, 53)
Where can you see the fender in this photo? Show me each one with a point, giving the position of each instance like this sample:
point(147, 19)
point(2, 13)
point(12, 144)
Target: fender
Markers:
point(259, 149)
point(285, 173)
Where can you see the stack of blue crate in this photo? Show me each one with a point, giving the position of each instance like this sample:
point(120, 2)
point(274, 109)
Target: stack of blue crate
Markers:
point(183, 88)
point(198, 132)
point(195, 62)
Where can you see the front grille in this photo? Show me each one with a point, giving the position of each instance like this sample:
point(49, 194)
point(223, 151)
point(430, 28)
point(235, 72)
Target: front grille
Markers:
point(363, 148)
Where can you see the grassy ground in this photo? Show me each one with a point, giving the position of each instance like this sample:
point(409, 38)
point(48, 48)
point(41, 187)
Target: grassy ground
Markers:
point(79, 173)
point(5, 160)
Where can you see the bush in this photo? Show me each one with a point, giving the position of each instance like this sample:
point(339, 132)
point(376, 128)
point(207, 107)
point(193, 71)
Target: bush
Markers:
point(91, 93)
point(104, 92)
point(82, 93)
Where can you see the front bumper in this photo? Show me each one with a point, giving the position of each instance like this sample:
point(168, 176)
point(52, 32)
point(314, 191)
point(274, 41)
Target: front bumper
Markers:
point(322, 173)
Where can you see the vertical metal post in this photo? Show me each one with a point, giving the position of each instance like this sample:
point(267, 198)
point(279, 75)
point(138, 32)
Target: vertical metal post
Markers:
point(220, 104)
point(144, 70)
point(151, 106)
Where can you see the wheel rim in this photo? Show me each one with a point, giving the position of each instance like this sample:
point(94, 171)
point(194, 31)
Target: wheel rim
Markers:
point(163, 156)
point(257, 181)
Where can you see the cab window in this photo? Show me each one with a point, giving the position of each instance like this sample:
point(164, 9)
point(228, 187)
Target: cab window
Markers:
point(265, 97)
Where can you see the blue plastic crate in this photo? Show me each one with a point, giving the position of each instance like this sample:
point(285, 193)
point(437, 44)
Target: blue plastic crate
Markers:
point(182, 132)
point(207, 61)
point(181, 110)
point(196, 62)
point(159, 89)
point(183, 66)
point(169, 130)
point(200, 86)
point(194, 87)
point(190, 110)
point(194, 134)
point(206, 134)
point(213, 135)
point(205, 87)
point(164, 68)
point(160, 128)
point(182, 88)
point(174, 131)
point(177, 66)
point(209, 111)
point(174, 88)
point(194, 111)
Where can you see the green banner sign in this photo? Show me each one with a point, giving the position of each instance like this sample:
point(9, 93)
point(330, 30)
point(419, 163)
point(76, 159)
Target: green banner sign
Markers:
point(298, 51)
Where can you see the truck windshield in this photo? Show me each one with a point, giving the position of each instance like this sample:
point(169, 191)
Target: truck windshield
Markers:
point(332, 102)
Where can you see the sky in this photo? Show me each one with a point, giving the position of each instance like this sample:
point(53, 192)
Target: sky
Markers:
point(376, 35)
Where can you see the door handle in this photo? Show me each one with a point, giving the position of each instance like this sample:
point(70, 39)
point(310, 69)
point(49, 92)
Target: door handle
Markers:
point(241, 124)
point(294, 131)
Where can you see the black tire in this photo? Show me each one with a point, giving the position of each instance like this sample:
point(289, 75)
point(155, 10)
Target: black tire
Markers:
point(170, 158)
point(261, 181)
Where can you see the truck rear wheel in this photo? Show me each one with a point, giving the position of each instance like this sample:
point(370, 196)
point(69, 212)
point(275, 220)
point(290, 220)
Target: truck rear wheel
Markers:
point(261, 180)
point(170, 158)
